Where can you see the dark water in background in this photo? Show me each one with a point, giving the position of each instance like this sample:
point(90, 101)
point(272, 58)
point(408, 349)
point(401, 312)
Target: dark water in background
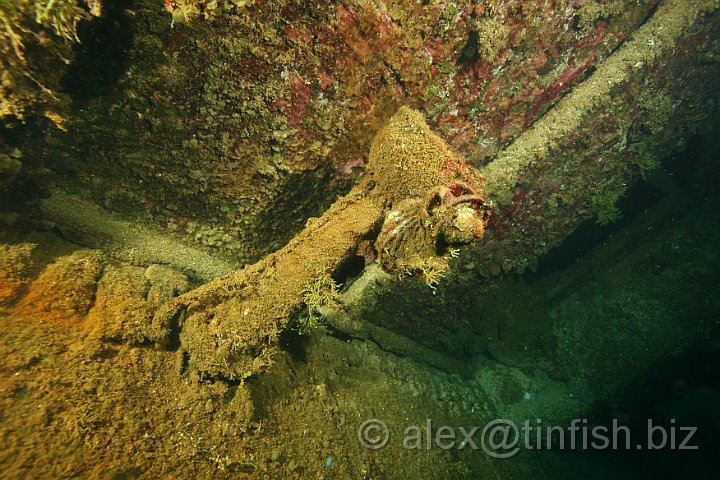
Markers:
point(682, 388)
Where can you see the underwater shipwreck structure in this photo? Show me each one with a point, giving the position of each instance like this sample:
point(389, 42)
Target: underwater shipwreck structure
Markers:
point(244, 174)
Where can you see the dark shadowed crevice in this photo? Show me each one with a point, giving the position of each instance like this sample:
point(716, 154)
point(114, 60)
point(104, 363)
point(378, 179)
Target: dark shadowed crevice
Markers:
point(101, 57)
point(683, 173)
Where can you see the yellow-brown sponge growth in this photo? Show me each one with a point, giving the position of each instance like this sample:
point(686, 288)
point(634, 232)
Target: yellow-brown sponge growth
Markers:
point(408, 160)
